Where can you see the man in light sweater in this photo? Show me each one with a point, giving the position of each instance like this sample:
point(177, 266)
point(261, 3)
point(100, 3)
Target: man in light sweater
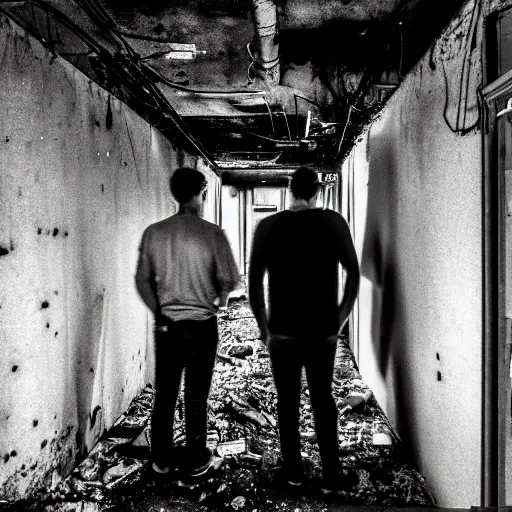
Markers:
point(185, 271)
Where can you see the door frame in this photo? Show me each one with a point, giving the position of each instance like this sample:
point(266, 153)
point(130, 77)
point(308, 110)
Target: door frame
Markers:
point(495, 367)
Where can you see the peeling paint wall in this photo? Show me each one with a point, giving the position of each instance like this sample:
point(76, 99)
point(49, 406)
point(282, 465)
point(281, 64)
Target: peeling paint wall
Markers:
point(81, 176)
point(416, 180)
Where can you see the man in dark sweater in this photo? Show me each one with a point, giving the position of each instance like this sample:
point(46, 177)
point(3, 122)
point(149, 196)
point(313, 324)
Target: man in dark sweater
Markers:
point(301, 249)
point(186, 268)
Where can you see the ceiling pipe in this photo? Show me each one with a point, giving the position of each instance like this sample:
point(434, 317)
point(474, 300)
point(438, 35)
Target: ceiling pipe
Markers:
point(266, 61)
point(251, 177)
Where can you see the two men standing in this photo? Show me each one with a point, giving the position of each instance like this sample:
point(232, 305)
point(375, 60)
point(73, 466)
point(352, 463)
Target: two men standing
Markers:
point(186, 263)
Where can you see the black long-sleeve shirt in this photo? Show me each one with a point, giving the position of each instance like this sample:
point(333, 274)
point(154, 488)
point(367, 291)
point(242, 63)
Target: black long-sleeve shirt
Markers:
point(301, 250)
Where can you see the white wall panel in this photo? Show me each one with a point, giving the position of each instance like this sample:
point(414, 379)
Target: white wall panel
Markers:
point(418, 230)
point(75, 196)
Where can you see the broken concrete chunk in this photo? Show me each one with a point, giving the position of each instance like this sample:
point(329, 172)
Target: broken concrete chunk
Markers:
point(381, 439)
point(253, 459)
point(241, 351)
point(309, 434)
point(90, 469)
point(248, 413)
point(357, 399)
point(238, 502)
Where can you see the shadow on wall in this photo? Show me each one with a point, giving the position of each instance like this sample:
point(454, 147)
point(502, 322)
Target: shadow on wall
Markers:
point(380, 265)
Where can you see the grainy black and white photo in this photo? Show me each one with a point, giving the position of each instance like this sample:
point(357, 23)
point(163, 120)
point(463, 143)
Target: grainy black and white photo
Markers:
point(255, 255)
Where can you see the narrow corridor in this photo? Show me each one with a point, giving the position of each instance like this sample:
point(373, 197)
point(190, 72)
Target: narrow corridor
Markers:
point(242, 429)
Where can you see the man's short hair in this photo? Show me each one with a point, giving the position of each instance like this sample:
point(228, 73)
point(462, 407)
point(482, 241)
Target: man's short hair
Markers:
point(186, 183)
point(304, 183)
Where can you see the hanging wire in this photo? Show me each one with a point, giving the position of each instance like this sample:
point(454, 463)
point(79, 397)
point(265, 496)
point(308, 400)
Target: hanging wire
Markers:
point(287, 125)
point(271, 116)
point(251, 65)
point(342, 138)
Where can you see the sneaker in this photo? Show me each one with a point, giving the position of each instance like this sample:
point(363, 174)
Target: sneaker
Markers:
point(201, 470)
point(158, 475)
point(347, 479)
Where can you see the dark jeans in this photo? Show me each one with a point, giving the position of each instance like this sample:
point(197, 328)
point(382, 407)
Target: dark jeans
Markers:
point(316, 355)
point(189, 345)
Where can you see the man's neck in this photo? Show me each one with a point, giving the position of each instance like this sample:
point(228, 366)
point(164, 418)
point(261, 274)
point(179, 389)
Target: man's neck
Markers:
point(189, 209)
point(301, 204)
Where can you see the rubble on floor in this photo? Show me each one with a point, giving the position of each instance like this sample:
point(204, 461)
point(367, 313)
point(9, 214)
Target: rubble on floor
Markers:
point(242, 431)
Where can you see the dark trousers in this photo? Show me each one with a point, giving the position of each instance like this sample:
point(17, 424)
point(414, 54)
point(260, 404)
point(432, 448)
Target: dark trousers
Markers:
point(316, 355)
point(189, 345)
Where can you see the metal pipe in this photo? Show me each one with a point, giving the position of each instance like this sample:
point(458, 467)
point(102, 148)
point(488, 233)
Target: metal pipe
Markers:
point(265, 18)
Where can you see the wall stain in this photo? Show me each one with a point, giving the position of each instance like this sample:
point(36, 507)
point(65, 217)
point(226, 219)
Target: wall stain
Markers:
point(94, 415)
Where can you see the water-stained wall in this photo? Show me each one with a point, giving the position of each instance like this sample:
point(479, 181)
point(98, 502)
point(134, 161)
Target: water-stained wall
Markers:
point(81, 175)
point(417, 219)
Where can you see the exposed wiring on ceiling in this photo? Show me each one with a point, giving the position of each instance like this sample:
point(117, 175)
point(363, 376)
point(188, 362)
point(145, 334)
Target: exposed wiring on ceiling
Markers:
point(109, 24)
point(264, 137)
point(206, 93)
point(460, 126)
point(139, 79)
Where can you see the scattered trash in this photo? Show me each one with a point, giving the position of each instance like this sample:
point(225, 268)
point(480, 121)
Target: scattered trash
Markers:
point(238, 502)
point(232, 447)
point(241, 351)
point(382, 439)
point(243, 435)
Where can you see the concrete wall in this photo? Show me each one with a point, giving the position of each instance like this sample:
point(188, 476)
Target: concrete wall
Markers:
point(416, 180)
point(75, 196)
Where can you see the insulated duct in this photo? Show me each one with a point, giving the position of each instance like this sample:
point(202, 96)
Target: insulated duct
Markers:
point(241, 177)
point(266, 62)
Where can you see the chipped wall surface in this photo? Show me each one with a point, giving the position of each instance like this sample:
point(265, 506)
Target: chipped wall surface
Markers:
point(417, 178)
point(81, 176)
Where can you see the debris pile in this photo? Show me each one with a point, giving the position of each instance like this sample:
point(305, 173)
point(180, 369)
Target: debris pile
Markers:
point(242, 433)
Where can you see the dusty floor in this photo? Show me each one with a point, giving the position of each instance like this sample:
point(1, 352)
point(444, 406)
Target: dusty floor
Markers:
point(242, 430)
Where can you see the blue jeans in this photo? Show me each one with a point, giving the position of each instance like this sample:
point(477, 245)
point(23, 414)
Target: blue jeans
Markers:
point(288, 355)
point(188, 345)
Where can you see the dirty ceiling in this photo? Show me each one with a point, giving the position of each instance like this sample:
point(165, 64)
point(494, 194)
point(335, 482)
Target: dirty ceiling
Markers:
point(246, 83)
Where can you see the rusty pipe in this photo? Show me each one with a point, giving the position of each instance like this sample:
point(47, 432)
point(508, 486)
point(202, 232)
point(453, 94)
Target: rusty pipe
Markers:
point(267, 58)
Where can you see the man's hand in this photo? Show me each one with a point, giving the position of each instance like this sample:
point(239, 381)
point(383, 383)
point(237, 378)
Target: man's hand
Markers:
point(265, 337)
